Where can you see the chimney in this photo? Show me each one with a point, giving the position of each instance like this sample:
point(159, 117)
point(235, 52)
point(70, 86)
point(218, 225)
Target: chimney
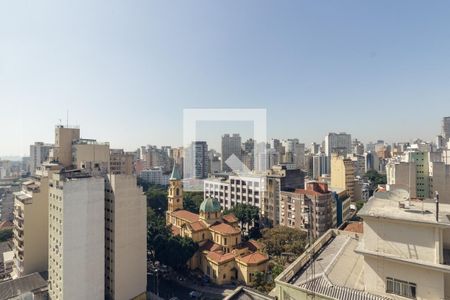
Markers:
point(437, 206)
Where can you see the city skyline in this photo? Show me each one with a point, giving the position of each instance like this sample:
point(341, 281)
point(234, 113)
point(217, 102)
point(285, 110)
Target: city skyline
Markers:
point(309, 64)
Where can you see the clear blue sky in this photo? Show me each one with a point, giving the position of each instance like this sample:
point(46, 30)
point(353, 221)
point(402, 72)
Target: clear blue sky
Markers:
point(126, 69)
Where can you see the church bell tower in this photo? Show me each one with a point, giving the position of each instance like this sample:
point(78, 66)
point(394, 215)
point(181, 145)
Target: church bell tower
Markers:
point(175, 193)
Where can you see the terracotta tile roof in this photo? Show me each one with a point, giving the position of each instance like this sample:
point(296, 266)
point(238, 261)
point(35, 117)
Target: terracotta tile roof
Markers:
point(219, 257)
point(251, 245)
point(224, 228)
point(254, 258)
point(198, 226)
point(210, 246)
point(186, 215)
point(230, 218)
point(175, 230)
point(355, 227)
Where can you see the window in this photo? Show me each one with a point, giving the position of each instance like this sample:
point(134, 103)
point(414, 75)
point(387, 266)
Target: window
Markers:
point(401, 288)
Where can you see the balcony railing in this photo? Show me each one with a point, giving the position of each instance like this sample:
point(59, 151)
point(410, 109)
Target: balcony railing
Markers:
point(18, 224)
point(18, 235)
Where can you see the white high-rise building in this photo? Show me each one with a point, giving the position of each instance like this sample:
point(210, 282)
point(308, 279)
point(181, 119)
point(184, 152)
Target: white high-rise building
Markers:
point(39, 152)
point(126, 245)
point(76, 236)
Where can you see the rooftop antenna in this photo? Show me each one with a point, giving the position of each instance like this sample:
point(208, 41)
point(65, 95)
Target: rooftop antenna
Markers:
point(67, 119)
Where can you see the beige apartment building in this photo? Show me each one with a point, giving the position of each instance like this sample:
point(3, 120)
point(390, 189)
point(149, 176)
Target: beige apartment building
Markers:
point(90, 154)
point(76, 261)
point(404, 253)
point(121, 162)
point(31, 228)
point(342, 174)
point(308, 209)
point(64, 138)
point(125, 238)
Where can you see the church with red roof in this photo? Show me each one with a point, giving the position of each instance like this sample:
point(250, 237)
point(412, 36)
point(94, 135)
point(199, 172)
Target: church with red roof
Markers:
point(222, 255)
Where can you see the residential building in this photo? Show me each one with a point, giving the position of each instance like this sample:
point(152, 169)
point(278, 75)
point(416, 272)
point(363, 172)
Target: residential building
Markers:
point(31, 225)
point(231, 189)
point(125, 238)
point(319, 165)
point(342, 174)
point(196, 160)
point(121, 162)
point(64, 138)
point(88, 153)
point(359, 164)
point(446, 128)
point(155, 175)
point(340, 143)
point(404, 252)
point(76, 262)
point(222, 256)
point(231, 145)
point(279, 178)
point(39, 152)
point(309, 209)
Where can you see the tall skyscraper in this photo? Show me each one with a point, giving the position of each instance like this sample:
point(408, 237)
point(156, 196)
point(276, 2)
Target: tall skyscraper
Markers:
point(196, 160)
point(446, 128)
point(230, 145)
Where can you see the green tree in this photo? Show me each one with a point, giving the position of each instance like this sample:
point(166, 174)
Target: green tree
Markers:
point(174, 251)
point(375, 178)
point(280, 240)
point(156, 229)
point(246, 214)
point(157, 198)
point(192, 201)
point(5, 235)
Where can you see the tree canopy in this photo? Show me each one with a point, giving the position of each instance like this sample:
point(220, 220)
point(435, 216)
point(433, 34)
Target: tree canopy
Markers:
point(281, 239)
point(375, 177)
point(245, 213)
point(170, 250)
point(157, 198)
point(5, 235)
point(192, 201)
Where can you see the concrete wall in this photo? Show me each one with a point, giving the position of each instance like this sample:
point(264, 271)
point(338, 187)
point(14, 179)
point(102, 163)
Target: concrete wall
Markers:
point(430, 284)
point(95, 153)
point(83, 239)
point(405, 240)
point(35, 231)
point(129, 236)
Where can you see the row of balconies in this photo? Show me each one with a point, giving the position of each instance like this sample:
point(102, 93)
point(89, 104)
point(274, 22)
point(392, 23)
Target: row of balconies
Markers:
point(18, 224)
point(18, 235)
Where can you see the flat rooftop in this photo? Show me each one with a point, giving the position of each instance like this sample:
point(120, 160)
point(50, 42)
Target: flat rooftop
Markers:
point(331, 268)
point(396, 205)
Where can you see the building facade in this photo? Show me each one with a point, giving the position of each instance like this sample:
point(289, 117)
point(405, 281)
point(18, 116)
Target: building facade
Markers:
point(125, 245)
point(231, 145)
point(76, 240)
